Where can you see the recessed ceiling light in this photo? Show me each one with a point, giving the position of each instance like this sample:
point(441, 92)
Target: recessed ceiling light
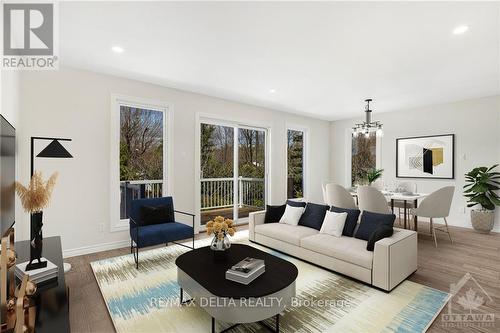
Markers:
point(117, 49)
point(272, 91)
point(460, 29)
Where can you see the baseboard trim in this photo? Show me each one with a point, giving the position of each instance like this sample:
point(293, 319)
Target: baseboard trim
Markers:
point(95, 248)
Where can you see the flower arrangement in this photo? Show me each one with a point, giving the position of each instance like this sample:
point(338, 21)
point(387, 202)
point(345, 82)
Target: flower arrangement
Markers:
point(36, 196)
point(220, 227)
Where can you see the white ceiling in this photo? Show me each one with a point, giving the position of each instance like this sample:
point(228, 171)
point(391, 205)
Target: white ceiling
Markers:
point(323, 59)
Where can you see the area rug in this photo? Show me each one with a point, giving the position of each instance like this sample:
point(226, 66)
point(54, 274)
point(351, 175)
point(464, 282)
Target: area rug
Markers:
point(146, 300)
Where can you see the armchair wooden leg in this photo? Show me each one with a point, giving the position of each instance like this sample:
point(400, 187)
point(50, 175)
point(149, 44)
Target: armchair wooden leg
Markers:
point(434, 233)
point(448, 230)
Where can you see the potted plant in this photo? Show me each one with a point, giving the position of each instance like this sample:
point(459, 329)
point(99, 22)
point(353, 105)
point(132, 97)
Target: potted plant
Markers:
point(373, 174)
point(481, 187)
point(220, 227)
point(34, 198)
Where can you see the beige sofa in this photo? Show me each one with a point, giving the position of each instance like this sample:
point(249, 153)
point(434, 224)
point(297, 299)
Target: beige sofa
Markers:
point(392, 261)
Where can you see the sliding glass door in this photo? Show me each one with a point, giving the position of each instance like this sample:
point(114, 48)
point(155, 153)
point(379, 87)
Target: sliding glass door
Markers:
point(232, 171)
point(251, 171)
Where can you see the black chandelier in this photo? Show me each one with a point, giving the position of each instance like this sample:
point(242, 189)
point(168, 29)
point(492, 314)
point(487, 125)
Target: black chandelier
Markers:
point(368, 126)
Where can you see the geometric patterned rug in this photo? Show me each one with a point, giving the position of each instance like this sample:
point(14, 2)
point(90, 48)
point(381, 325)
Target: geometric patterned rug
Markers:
point(146, 300)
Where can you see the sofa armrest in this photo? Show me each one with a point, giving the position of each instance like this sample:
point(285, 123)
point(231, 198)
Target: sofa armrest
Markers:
point(255, 218)
point(394, 259)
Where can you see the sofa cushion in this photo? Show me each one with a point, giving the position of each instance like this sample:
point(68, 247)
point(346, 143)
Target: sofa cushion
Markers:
point(313, 216)
point(344, 248)
point(292, 215)
point(291, 234)
point(350, 222)
point(274, 213)
point(371, 221)
point(295, 203)
point(333, 224)
point(381, 232)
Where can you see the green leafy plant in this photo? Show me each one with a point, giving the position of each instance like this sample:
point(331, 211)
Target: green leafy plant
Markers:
point(373, 174)
point(482, 182)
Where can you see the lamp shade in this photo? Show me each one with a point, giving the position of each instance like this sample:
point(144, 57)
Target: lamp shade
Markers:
point(55, 150)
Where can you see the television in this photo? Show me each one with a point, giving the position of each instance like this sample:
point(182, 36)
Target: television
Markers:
point(7, 175)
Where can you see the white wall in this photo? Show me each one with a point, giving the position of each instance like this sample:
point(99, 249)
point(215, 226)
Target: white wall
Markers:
point(77, 104)
point(9, 96)
point(475, 123)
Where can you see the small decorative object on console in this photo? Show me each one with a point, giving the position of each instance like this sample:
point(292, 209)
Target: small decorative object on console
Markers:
point(246, 270)
point(38, 275)
point(220, 227)
point(34, 198)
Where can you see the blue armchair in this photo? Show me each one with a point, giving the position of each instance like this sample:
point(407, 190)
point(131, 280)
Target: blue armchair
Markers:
point(154, 234)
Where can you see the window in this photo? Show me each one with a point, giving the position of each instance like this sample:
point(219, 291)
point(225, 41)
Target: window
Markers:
point(295, 163)
point(363, 157)
point(139, 150)
point(141, 155)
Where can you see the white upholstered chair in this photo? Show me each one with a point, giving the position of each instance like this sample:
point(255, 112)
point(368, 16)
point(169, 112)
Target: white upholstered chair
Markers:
point(324, 183)
point(372, 200)
point(379, 184)
point(437, 205)
point(338, 196)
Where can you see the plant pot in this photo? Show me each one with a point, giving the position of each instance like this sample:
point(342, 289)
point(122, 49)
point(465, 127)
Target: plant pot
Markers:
point(483, 220)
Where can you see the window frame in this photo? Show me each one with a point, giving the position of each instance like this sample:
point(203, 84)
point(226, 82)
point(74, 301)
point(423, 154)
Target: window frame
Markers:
point(116, 223)
point(305, 160)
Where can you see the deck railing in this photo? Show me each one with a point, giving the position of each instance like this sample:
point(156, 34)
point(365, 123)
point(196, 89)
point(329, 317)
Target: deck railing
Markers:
point(219, 192)
point(138, 189)
point(215, 192)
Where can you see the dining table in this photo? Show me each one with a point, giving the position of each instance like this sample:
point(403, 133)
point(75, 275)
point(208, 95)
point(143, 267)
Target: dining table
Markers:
point(405, 198)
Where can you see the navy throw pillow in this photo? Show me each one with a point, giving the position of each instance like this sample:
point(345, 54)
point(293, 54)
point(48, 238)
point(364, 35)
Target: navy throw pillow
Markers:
point(351, 220)
point(154, 215)
point(371, 221)
point(296, 203)
point(313, 216)
point(274, 213)
point(382, 231)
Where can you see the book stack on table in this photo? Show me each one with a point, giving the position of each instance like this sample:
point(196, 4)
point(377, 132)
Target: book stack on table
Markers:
point(39, 275)
point(246, 270)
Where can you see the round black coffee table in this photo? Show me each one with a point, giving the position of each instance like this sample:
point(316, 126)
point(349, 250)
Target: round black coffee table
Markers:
point(202, 276)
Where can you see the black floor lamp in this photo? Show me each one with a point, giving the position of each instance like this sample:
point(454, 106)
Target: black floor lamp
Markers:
point(53, 150)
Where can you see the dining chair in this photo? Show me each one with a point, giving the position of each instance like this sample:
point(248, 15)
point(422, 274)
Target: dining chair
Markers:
point(436, 205)
point(372, 200)
point(338, 196)
point(324, 183)
point(379, 184)
point(410, 187)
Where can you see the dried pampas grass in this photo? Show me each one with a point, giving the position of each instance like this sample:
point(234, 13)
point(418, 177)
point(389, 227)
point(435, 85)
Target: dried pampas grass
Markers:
point(36, 196)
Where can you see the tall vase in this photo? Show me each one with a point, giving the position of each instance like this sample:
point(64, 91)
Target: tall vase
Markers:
point(36, 242)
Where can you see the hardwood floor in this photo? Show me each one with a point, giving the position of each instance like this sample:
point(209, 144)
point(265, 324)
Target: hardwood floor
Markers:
point(470, 252)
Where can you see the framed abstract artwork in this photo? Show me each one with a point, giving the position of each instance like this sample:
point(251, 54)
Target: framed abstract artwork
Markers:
point(426, 157)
